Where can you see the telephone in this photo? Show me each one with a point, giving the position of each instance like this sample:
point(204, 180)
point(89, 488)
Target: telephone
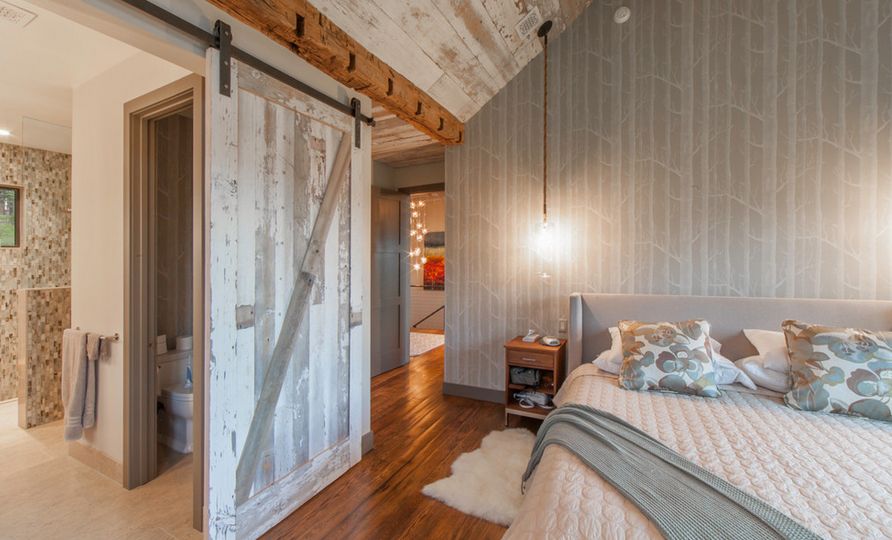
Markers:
point(551, 341)
point(531, 336)
point(528, 399)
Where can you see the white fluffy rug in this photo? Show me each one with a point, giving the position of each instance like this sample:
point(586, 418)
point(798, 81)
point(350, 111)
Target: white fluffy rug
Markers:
point(421, 342)
point(486, 482)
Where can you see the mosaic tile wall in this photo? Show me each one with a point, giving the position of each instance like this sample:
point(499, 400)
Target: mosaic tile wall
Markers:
point(44, 260)
point(8, 344)
point(45, 313)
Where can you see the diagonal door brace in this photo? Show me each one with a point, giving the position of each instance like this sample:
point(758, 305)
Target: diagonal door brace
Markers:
point(310, 269)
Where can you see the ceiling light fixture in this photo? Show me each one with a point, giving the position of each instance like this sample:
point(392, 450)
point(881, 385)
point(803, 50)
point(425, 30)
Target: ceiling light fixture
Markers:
point(15, 15)
point(545, 235)
point(5, 133)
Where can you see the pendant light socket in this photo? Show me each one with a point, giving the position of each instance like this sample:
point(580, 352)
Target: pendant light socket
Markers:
point(544, 29)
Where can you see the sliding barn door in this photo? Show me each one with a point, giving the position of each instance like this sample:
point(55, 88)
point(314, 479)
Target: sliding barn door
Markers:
point(283, 385)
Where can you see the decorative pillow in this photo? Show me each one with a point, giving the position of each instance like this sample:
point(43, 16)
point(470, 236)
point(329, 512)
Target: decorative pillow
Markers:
point(840, 370)
point(674, 357)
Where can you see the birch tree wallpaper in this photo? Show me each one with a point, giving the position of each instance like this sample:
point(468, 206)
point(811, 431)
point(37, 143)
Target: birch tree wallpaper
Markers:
point(705, 147)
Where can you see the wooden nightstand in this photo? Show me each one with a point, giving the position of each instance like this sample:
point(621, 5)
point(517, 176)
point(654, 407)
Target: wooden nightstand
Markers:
point(550, 363)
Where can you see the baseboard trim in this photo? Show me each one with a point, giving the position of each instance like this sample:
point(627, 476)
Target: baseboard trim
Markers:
point(96, 460)
point(474, 392)
point(368, 442)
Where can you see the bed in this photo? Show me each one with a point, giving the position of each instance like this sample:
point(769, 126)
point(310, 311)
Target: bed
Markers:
point(831, 473)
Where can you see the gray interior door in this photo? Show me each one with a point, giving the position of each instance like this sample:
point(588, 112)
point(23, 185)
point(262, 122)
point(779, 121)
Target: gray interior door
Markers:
point(390, 280)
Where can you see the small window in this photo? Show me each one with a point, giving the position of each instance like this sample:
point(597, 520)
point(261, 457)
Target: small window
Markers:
point(10, 216)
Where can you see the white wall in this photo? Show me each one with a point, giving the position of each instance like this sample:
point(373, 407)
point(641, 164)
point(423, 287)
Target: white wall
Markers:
point(97, 223)
point(389, 177)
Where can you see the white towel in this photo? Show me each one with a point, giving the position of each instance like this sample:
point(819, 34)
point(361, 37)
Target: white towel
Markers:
point(74, 381)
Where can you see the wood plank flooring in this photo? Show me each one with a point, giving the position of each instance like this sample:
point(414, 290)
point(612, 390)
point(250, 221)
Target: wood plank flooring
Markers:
point(418, 434)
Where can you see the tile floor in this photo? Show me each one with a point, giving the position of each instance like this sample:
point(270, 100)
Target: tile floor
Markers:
point(46, 494)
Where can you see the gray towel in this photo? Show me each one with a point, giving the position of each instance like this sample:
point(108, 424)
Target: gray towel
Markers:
point(94, 350)
point(74, 381)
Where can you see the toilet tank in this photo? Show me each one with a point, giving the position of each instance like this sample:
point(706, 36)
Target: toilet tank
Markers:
point(171, 369)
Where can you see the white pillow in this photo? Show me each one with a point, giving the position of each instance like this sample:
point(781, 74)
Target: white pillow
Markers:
point(772, 347)
point(754, 367)
point(611, 360)
point(727, 373)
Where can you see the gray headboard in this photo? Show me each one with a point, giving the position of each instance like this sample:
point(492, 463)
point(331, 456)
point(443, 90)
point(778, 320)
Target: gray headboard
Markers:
point(592, 314)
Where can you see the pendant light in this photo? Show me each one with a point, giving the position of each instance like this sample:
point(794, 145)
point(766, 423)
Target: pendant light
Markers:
point(545, 240)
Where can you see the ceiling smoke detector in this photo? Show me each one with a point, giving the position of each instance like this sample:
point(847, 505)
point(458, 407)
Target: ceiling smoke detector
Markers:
point(528, 24)
point(622, 14)
point(14, 15)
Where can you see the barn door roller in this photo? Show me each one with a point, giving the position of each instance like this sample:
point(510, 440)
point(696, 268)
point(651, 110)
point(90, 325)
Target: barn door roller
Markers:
point(221, 39)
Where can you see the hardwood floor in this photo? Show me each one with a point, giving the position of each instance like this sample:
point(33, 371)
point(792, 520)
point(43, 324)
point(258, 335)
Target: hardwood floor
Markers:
point(418, 434)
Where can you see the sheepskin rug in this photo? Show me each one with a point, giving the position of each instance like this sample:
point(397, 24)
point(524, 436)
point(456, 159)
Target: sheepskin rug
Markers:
point(486, 482)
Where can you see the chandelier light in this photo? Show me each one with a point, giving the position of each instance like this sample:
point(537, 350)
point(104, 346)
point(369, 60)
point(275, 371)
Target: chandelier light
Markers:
point(417, 230)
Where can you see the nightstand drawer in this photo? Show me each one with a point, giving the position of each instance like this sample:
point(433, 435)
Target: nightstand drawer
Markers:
point(531, 359)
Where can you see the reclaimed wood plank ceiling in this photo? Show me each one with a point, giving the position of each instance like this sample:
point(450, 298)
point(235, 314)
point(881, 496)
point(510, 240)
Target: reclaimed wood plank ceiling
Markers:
point(461, 52)
point(398, 144)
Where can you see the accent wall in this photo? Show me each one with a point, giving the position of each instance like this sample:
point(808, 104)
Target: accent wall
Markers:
point(705, 147)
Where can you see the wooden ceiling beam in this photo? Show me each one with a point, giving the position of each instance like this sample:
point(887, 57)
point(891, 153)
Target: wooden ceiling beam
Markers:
point(299, 26)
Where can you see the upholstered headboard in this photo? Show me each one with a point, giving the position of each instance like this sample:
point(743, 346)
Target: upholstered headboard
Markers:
point(592, 314)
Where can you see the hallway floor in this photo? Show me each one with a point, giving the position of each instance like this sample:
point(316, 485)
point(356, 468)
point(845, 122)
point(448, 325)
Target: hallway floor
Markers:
point(47, 494)
point(419, 432)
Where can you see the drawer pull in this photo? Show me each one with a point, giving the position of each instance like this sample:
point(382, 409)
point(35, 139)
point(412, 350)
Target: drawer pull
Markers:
point(525, 359)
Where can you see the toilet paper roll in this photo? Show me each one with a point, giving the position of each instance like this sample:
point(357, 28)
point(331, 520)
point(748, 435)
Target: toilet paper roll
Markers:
point(161, 344)
point(184, 343)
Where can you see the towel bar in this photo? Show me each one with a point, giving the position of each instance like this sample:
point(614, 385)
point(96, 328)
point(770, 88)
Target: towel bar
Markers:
point(114, 337)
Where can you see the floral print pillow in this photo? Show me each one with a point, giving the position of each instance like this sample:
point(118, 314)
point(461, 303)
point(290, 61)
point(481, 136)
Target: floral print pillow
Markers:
point(671, 357)
point(840, 370)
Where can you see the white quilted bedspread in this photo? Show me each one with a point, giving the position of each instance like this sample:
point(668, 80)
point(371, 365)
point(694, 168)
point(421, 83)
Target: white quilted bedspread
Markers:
point(831, 473)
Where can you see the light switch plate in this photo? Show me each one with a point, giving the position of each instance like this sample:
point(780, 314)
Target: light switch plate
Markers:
point(562, 325)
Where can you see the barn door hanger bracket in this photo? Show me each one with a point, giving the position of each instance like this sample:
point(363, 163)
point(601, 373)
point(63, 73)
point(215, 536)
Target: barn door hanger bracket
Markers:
point(357, 122)
point(221, 39)
point(223, 42)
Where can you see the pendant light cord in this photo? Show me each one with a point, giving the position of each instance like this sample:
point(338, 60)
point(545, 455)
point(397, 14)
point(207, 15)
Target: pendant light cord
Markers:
point(545, 137)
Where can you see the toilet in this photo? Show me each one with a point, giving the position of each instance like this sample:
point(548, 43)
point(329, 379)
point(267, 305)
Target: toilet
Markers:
point(174, 396)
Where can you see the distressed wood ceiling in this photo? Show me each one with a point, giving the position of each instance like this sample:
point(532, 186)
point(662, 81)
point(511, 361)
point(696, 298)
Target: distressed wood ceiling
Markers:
point(461, 52)
point(399, 144)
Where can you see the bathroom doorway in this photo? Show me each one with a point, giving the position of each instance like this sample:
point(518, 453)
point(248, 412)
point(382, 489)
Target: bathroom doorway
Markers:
point(164, 282)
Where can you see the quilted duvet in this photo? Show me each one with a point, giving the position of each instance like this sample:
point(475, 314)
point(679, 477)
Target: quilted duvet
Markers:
point(831, 473)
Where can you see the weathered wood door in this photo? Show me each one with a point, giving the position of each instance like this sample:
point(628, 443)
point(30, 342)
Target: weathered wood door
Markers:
point(390, 280)
point(284, 382)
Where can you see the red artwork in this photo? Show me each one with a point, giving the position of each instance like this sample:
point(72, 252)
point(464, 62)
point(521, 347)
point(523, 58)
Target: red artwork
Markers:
point(435, 267)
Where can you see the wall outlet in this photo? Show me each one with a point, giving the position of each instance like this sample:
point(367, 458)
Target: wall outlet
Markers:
point(562, 325)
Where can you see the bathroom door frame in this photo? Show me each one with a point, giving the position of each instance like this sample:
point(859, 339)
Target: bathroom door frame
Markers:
point(140, 401)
